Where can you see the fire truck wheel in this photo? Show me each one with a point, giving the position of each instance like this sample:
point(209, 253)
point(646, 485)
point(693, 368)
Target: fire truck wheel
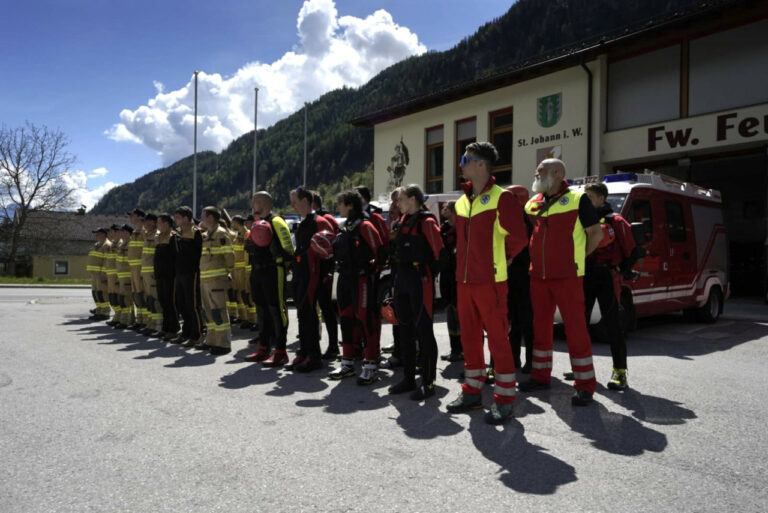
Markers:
point(713, 307)
point(629, 314)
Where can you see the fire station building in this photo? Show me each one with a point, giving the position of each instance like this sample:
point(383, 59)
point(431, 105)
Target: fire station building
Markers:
point(685, 96)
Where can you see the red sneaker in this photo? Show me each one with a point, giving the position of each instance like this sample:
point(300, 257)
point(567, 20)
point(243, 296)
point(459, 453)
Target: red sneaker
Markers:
point(277, 359)
point(260, 355)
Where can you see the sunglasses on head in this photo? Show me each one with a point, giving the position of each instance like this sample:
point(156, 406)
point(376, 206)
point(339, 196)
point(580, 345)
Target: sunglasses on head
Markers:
point(466, 158)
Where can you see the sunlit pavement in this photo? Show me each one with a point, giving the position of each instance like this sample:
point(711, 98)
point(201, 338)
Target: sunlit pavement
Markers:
point(98, 420)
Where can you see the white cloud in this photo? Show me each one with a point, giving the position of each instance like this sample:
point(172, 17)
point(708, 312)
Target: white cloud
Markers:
point(99, 171)
point(83, 196)
point(333, 52)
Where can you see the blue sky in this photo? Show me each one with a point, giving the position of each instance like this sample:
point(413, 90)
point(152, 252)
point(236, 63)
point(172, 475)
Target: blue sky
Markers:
point(116, 76)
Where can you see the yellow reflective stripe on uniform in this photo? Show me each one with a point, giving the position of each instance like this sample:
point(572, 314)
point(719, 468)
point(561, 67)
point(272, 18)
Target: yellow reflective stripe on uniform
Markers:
point(213, 273)
point(93, 268)
point(220, 250)
point(239, 265)
point(541, 365)
point(238, 247)
point(136, 244)
point(148, 251)
point(147, 269)
point(580, 362)
point(542, 354)
point(505, 391)
point(584, 375)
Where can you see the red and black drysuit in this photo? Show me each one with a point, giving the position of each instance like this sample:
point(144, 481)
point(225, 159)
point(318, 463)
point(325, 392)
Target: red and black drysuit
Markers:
point(267, 281)
point(415, 252)
point(601, 281)
point(308, 270)
point(557, 281)
point(448, 285)
point(324, 291)
point(482, 287)
point(355, 250)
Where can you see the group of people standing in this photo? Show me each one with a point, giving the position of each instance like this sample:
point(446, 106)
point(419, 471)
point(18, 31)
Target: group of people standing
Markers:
point(505, 262)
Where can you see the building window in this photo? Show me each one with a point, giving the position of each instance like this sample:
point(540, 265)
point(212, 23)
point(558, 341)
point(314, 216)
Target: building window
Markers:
point(434, 160)
point(60, 267)
point(466, 133)
point(501, 137)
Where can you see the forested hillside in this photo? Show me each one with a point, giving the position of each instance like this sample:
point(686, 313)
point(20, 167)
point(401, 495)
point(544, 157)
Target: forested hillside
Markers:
point(529, 31)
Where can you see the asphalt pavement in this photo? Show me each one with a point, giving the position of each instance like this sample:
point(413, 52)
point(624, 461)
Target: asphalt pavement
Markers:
point(93, 419)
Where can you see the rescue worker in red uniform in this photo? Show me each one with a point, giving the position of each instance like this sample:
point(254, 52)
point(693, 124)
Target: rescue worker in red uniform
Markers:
point(416, 251)
point(448, 282)
point(565, 231)
point(269, 248)
point(308, 271)
point(355, 250)
point(486, 215)
point(601, 279)
point(324, 289)
point(384, 289)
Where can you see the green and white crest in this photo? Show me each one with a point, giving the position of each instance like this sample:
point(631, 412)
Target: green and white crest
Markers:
point(549, 109)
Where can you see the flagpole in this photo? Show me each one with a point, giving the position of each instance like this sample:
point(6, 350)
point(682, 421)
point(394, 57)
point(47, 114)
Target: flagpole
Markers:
point(194, 166)
point(255, 130)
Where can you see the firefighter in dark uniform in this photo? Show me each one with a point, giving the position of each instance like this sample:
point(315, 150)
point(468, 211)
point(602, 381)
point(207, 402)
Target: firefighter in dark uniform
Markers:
point(416, 252)
point(165, 275)
point(324, 292)
point(448, 282)
point(269, 248)
point(355, 250)
point(612, 256)
point(519, 307)
point(187, 246)
point(307, 271)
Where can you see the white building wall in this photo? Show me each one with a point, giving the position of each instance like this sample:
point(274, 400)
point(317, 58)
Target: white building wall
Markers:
point(567, 138)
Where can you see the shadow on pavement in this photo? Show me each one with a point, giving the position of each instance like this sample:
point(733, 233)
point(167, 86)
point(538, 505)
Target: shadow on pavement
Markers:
point(648, 408)
point(609, 431)
point(424, 420)
point(345, 397)
point(193, 359)
point(251, 374)
point(524, 467)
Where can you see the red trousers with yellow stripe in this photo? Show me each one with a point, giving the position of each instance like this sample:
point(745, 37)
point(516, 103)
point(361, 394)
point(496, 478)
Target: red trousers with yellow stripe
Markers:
point(568, 295)
point(485, 306)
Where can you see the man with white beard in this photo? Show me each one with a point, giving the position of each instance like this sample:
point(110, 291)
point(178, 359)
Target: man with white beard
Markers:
point(565, 230)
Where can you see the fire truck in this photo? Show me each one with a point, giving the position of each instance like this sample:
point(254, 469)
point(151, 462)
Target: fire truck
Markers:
point(680, 228)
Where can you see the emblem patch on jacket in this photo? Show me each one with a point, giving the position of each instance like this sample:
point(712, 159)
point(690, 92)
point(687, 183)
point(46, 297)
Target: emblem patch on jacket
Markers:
point(485, 198)
point(564, 200)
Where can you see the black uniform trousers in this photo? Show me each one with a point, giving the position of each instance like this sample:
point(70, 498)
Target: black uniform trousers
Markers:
point(188, 304)
point(165, 296)
point(448, 294)
point(520, 312)
point(413, 309)
point(267, 291)
point(306, 311)
point(599, 285)
point(329, 310)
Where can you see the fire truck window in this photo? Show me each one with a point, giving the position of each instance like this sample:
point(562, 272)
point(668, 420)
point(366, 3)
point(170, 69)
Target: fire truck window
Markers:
point(616, 201)
point(675, 221)
point(640, 212)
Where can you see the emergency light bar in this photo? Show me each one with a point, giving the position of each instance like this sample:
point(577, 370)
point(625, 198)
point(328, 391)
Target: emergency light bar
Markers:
point(620, 177)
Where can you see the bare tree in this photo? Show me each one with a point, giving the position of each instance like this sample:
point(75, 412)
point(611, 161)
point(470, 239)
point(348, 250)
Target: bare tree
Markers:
point(34, 163)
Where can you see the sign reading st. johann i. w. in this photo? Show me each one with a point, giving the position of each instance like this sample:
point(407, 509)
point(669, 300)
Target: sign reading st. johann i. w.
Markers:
point(549, 111)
